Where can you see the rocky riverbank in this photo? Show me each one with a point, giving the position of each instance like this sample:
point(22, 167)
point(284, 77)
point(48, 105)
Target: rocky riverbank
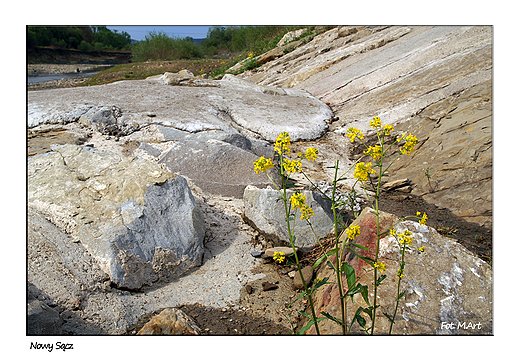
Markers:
point(102, 229)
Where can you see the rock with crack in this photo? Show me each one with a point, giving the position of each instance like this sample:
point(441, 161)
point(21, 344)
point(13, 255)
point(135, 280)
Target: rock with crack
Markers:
point(265, 212)
point(446, 284)
point(137, 220)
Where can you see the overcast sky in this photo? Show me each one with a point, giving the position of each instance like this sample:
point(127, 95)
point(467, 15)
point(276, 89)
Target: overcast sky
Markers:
point(139, 32)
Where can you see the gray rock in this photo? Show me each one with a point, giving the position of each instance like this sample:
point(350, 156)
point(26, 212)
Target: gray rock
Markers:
point(222, 167)
point(43, 320)
point(122, 209)
point(229, 107)
point(265, 213)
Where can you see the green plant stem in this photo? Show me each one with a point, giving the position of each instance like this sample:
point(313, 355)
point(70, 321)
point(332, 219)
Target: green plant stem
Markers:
point(398, 290)
point(291, 239)
point(338, 255)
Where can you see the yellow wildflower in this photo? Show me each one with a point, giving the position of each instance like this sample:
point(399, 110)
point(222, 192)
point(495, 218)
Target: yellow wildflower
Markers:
point(362, 171)
point(400, 273)
point(387, 129)
point(393, 232)
point(262, 165)
point(380, 266)
point(250, 55)
point(307, 212)
point(353, 232)
point(423, 219)
point(353, 133)
point(283, 142)
point(375, 123)
point(375, 152)
point(298, 200)
point(279, 257)
point(422, 249)
point(311, 154)
point(409, 145)
point(418, 213)
point(292, 166)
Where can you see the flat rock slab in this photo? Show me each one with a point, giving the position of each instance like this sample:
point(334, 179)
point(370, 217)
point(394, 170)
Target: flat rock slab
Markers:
point(217, 162)
point(137, 219)
point(228, 107)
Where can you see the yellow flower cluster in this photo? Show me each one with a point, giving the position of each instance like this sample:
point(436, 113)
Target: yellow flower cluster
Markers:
point(292, 166)
point(362, 171)
point(279, 257)
point(282, 143)
point(424, 219)
point(307, 212)
point(410, 143)
point(298, 202)
point(263, 164)
point(353, 133)
point(380, 266)
point(387, 129)
point(375, 152)
point(352, 232)
point(311, 154)
point(375, 123)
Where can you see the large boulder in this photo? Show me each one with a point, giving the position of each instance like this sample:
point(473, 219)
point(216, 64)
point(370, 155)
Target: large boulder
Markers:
point(448, 290)
point(227, 107)
point(264, 210)
point(136, 219)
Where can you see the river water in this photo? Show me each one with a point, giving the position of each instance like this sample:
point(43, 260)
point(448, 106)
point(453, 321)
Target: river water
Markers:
point(49, 77)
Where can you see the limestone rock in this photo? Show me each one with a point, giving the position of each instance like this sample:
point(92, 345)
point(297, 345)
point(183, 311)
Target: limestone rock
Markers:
point(170, 321)
point(229, 107)
point(290, 36)
point(269, 253)
point(264, 212)
point(230, 160)
point(446, 284)
point(122, 209)
point(307, 273)
point(186, 77)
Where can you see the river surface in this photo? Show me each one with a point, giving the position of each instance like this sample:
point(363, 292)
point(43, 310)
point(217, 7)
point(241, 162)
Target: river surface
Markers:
point(40, 78)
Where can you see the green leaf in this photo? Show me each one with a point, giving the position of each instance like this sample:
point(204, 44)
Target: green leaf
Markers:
point(361, 321)
point(303, 313)
point(330, 317)
point(318, 261)
point(329, 263)
point(389, 317)
point(350, 274)
point(380, 279)
point(364, 293)
point(401, 295)
point(309, 325)
point(359, 246)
